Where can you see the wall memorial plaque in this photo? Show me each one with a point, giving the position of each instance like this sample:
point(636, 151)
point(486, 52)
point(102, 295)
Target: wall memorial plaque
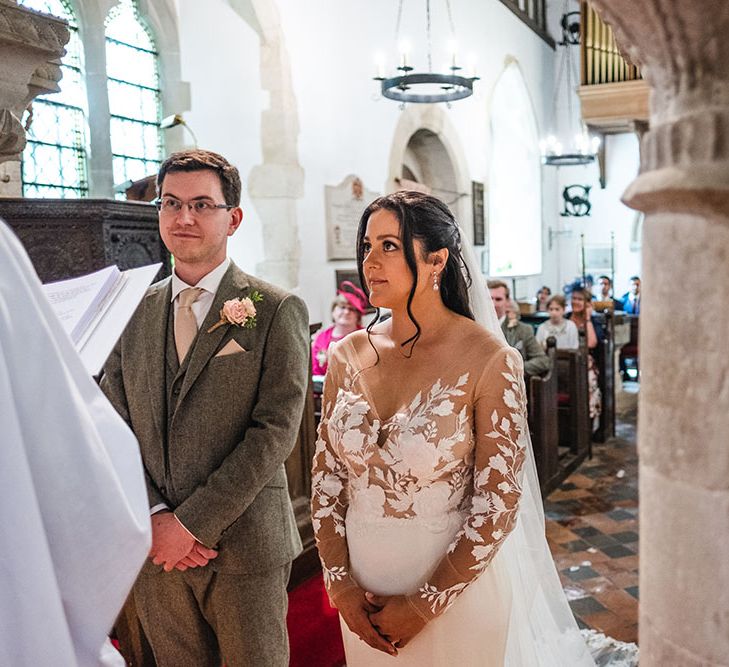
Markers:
point(345, 204)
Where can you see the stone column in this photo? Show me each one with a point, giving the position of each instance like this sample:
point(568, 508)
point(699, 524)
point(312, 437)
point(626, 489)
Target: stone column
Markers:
point(31, 45)
point(683, 435)
point(275, 185)
point(99, 157)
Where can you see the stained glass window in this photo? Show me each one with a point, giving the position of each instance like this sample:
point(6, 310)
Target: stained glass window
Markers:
point(54, 160)
point(134, 98)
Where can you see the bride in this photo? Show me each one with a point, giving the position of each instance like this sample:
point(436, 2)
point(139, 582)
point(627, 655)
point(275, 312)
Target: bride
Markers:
point(425, 501)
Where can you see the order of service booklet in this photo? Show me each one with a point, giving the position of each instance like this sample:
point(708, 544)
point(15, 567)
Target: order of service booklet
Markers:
point(95, 308)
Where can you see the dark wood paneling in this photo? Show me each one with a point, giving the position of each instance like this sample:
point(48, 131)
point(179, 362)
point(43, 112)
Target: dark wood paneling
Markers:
point(66, 238)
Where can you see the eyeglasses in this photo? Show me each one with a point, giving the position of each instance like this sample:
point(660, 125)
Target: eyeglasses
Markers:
point(198, 207)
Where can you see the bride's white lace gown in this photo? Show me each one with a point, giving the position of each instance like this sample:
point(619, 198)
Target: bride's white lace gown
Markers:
point(416, 483)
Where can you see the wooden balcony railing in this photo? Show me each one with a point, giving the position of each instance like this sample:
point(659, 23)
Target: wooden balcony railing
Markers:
point(533, 13)
point(601, 59)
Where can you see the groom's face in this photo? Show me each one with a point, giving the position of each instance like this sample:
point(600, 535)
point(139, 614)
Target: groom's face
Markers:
point(196, 237)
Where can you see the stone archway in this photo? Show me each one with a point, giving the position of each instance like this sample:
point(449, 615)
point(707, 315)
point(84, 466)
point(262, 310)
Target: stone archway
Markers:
point(427, 162)
point(276, 183)
point(427, 149)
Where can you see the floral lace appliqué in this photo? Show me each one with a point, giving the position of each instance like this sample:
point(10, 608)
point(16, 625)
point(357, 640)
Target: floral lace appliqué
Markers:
point(440, 454)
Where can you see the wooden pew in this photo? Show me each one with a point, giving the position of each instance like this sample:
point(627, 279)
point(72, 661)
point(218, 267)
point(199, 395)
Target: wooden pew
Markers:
point(629, 354)
point(318, 385)
point(543, 423)
point(573, 409)
point(298, 470)
point(604, 357)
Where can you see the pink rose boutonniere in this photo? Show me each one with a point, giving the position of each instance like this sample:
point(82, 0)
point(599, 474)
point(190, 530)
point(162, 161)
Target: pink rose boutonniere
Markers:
point(241, 312)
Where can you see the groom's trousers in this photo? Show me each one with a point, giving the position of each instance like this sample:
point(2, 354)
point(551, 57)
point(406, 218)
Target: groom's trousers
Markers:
point(201, 617)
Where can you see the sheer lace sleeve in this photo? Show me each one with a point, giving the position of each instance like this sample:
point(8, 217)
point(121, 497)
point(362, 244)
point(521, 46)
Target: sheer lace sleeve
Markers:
point(329, 494)
point(500, 431)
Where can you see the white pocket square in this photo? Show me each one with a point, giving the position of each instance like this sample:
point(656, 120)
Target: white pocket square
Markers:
point(231, 347)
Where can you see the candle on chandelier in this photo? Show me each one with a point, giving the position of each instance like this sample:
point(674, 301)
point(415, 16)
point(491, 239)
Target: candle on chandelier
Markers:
point(379, 65)
point(404, 53)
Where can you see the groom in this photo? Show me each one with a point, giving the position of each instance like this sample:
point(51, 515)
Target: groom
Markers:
point(211, 374)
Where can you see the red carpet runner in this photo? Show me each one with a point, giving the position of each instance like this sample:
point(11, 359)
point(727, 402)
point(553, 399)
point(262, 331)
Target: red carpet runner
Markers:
point(314, 633)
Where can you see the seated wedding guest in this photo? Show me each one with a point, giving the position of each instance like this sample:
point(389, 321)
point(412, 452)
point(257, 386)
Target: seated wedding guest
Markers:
point(74, 506)
point(576, 284)
point(542, 298)
point(586, 321)
point(605, 292)
point(631, 299)
point(584, 317)
point(347, 309)
point(518, 334)
point(564, 330)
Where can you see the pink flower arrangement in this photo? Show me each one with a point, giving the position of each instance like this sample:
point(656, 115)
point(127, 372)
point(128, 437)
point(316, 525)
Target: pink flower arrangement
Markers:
point(240, 312)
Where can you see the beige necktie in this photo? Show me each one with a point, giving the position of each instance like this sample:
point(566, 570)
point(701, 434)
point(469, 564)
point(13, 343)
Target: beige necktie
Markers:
point(185, 322)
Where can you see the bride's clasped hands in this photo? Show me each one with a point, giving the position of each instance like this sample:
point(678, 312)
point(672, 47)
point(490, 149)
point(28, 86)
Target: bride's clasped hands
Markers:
point(357, 611)
point(395, 618)
point(385, 622)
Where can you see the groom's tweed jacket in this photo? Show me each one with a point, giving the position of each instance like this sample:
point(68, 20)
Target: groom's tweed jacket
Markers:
point(214, 433)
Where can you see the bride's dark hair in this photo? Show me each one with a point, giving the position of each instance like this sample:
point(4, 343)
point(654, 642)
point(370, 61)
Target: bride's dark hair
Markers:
point(429, 220)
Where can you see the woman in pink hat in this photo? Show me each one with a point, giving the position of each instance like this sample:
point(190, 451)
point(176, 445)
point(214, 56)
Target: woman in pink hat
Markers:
point(347, 309)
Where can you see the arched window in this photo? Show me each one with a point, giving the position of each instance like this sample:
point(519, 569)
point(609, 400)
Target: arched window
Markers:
point(134, 99)
point(515, 182)
point(54, 160)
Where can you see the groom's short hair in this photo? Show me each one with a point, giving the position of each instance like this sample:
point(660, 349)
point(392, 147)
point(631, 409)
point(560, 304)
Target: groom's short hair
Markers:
point(197, 159)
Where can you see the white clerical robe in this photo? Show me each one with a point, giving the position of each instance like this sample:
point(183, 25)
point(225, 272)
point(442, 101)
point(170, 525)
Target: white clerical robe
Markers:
point(74, 515)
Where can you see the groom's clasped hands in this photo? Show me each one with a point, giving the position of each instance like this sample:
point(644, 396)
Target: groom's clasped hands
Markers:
point(385, 623)
point(174, 547)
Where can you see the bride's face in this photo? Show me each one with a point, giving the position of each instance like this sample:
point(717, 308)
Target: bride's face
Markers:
point(386, 271)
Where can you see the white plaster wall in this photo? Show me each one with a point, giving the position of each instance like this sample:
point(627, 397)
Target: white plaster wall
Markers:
point(220, 57)
point(346, 129)
point(608, 213)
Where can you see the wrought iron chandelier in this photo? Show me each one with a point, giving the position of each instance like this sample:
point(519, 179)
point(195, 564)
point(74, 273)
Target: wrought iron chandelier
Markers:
point(582, 148)
point(425, 87)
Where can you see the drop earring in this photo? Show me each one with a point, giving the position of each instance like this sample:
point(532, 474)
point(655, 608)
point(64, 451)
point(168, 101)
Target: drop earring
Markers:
point(436, 286)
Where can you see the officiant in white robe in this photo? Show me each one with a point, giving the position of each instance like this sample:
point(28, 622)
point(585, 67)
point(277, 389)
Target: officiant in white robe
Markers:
point(73, 510)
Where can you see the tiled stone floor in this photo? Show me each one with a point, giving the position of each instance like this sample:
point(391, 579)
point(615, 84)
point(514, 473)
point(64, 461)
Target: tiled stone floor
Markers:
point(592, 528)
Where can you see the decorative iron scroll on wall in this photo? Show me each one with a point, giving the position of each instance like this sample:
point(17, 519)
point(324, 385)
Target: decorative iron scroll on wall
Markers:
point(576, 201)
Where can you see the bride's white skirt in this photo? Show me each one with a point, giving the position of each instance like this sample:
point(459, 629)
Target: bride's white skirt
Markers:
point(391, 556)
point(395, 556)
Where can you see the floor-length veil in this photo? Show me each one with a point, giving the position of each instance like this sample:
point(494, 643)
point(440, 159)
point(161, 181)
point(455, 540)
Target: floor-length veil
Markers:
point(542, 629)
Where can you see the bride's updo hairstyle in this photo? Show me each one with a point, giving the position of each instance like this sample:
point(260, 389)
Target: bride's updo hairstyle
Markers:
point(429, 220)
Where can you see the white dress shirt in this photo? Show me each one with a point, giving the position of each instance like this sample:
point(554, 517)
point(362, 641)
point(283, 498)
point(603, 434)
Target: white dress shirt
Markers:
point(566, 333)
